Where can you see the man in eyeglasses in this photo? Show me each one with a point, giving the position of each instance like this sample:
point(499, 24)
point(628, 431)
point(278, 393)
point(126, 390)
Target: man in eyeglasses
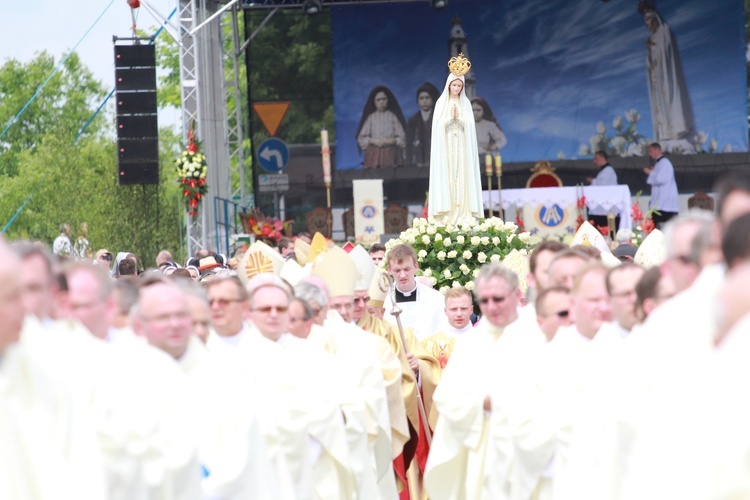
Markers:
point(553, 310)
point(227, 299)
point(462, 398)
point(621, 282)
point(679, 234)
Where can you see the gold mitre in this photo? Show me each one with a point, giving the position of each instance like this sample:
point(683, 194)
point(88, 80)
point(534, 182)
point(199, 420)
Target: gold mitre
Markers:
point(653, 250)
point(365, 267)
point(318, 246)
point(377, 295)
point(301, 250)
point(259, 258)
point(519, 264)
point(338, 270)
point(587, 235)
point(459, 65)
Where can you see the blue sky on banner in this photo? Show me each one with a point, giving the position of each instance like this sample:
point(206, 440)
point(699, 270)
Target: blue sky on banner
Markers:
point(550, 69)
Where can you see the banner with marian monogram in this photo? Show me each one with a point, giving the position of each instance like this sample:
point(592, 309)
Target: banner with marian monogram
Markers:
point(368, 210)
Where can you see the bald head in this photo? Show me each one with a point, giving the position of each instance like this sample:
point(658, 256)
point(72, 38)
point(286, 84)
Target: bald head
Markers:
point(162, 316)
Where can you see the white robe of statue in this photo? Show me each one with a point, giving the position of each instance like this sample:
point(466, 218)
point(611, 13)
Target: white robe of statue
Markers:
point(455, 183)
point(671, 110)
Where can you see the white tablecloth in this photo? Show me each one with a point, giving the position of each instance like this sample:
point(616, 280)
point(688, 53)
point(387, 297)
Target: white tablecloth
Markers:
point(609, 198)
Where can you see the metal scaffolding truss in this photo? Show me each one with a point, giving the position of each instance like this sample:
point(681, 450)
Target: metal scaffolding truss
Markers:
point(189, 66)
point(270, 4)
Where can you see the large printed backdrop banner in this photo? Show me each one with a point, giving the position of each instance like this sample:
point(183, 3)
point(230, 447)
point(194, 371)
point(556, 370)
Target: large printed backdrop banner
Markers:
point(562, 78)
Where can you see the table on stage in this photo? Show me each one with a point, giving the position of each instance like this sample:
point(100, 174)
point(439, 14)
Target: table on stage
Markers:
point(609, 198)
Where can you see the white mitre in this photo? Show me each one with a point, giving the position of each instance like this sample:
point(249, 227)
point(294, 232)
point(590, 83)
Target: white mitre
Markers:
point(653, 250)
point(365, 267)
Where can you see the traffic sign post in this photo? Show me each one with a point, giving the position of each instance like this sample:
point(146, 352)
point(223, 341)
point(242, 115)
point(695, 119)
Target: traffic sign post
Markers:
point(273, 183)
point(273, 155)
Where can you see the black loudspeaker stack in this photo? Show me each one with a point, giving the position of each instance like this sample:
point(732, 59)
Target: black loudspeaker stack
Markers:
point(137, 127)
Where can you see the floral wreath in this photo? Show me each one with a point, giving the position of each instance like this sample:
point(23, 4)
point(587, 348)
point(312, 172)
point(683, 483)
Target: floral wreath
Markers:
point(191, 173)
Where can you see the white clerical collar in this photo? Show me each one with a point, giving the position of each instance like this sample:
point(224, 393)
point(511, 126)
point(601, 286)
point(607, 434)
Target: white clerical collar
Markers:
point(452, 331)
point(408, 294)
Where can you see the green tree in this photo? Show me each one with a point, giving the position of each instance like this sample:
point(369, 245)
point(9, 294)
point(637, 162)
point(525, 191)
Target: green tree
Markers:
point(290, 60)
point(59, 110)
point(76, 181)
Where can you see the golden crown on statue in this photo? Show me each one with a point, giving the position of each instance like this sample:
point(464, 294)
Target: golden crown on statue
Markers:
point(459, 65)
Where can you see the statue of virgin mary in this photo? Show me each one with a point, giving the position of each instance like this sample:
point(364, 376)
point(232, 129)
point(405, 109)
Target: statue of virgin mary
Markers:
point(455, 183)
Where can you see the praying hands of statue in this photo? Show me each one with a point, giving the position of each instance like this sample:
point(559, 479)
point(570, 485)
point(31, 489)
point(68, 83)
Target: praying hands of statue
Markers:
point(455, 113)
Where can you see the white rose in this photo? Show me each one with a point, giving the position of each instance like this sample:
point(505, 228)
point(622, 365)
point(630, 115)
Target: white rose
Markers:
point(438, 237)
point(632, 116)
point(430, 229)
point(617, 123)
point(455, 284)
point(422, 229)
point(469, 285)
point(464, 269)
point(447, 273)
point(431, 220)
point(427, 272)
point(510, 226)
point(449, 228)
point(524, 237)
point(475, 273)
point(467, 254)
point(476, 240)
point(495, 240)
point(485, 240)
point(495, 258)
point(465, 228)
point(444, 289)
point(452, 254)
point(460, 239)
point(447, 242)
point(482, 257)
point(601, 128)
point(441, 255)
point(484, 226)
point(425, 240)
point(433, 281)
point(422, 253)
point(509, 239)
point(584, 150)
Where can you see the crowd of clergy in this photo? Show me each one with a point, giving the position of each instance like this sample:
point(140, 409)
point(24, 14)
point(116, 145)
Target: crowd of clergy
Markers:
point(333, 376)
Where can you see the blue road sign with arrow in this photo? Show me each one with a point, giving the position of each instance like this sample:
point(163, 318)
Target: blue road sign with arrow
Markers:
point(273, 155)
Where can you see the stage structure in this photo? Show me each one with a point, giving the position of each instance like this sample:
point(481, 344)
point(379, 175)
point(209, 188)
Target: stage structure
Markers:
point(205, 94)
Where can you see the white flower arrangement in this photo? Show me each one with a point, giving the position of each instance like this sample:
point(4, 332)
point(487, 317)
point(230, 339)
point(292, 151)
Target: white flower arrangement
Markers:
point(454, 253)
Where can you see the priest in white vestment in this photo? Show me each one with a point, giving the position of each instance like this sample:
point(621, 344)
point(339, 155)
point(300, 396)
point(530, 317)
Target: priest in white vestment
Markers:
point(458, 463)
point(49, 448)
point(422, 306)
point(231, 447)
